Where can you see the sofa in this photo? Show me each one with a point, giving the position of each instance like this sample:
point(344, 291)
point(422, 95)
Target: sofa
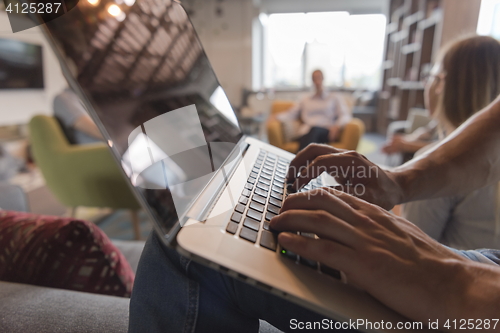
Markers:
point(26, 308)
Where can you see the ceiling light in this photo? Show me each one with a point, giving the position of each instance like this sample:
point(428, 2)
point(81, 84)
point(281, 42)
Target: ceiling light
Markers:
point(114, 10)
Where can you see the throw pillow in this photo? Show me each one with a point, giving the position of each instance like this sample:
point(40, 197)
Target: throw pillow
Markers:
point(61, 253)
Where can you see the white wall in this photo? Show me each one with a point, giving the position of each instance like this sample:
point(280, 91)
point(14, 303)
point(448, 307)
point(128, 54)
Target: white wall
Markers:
point(354, 7)
point(228, 38)
point(228, 41)
point(18, 106)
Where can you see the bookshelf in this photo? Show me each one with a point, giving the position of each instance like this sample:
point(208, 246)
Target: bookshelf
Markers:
point(416, 31)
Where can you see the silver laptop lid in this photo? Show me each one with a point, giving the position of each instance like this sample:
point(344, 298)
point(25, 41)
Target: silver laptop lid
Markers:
point(143, 74)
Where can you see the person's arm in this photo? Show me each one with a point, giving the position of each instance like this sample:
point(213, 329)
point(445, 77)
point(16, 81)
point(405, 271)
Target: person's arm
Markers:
point(466, 160)
point(414, 146)
point(343, 116)
point(86, 125)
point(400, 144)
point(343, 113)
point(68, 109)
point(390, 258)
point(289, 115)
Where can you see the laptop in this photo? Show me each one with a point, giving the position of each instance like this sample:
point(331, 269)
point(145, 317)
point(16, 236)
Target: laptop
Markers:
point(209, 190)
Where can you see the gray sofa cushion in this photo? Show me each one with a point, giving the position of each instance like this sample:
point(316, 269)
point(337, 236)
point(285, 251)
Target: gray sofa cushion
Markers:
point(25, 308)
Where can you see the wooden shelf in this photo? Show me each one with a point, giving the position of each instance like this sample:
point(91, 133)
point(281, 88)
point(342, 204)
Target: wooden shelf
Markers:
point(414, 18)
point(391, 27)
point(394, 82)
point(399, 36)
point(412, 85)
point(417, 29)
point(411, 48)
point(388, 64)
point(411, 45)
point(431, 21)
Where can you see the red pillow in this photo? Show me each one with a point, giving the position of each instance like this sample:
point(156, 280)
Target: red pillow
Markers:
point(61, 253)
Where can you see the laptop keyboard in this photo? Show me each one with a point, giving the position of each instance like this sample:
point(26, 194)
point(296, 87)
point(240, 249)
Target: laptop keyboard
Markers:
point(261, 200)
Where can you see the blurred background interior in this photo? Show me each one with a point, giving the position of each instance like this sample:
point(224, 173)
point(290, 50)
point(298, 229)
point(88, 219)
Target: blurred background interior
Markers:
point(374, 54)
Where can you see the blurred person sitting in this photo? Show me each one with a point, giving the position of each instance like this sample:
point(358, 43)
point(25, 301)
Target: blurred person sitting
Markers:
point(322, 115)
point(463, 82)
point(409, 144)
point(74, 119)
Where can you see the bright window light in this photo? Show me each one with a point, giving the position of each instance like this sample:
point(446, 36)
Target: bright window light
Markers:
point(347, 48)
point(489, 18)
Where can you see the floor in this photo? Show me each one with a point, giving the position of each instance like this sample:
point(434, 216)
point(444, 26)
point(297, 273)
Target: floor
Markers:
point(375, 154)
point(116, 224)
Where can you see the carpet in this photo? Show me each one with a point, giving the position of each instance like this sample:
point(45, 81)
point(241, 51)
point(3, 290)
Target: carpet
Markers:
point(366, 147)
point(118, 225)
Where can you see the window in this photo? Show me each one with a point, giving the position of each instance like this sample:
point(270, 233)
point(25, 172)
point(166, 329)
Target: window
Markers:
point(489, 18)
point(347, 48)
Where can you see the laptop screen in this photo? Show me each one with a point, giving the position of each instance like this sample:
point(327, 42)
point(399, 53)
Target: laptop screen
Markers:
point(150, 85)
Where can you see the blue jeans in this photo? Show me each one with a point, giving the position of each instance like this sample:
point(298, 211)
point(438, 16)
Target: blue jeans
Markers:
point(173, 294)
point(315, 135)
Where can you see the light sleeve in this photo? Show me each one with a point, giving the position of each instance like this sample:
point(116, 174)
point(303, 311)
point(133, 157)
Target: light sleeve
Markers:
point(342, 111)
point(290, 114)
point(431, 215)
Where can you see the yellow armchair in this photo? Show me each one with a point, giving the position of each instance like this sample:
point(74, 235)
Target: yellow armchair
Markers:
point(349, 138)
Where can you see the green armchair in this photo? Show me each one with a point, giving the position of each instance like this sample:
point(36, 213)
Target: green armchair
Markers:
point(80, 175)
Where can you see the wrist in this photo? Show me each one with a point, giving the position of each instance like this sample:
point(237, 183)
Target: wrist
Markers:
point(400, 181)
point(477, 294)
point(454, 289)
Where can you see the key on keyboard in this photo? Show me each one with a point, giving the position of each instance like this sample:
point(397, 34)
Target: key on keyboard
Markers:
point(252, 224)
point(257, 206)
point(268, 240)
point(254, 214)
point(311, 263)
point(232, 228)
point(248, 234)
point(236, 217)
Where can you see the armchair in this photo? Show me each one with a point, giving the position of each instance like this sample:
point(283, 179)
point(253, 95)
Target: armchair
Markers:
point(79, 175)
point(349, 138)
